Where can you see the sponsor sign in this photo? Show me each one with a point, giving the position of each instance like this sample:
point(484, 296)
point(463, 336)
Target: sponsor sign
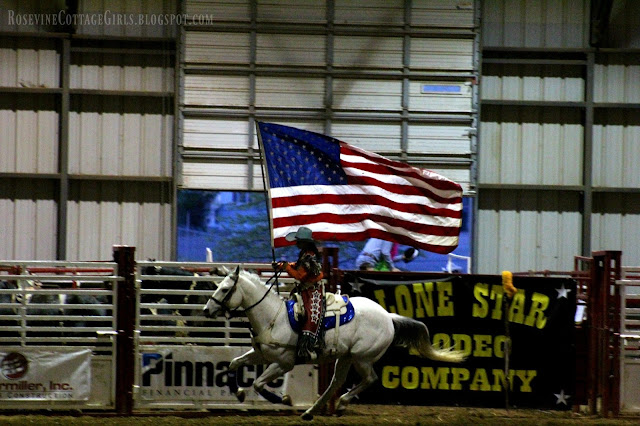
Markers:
point(35, 374)
point(520, 350)
point(174, 373)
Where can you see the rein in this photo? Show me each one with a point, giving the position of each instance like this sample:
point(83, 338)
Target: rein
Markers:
point(226, 298)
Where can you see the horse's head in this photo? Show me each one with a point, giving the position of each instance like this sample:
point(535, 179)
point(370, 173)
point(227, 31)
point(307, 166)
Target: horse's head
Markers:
point(226, 297)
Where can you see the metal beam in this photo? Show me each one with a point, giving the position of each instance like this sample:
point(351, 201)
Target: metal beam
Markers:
point(587, 161)
point(600, 14)
point(63, 150)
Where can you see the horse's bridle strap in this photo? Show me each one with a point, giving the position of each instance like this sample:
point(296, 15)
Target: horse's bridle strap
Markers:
point(226, 298)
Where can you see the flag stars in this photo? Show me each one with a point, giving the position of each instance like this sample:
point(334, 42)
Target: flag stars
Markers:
point(296, 158)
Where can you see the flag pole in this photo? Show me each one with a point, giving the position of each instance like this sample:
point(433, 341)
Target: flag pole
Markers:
point(266, 189)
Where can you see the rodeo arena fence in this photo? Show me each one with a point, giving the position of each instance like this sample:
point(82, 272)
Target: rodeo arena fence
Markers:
point(129, 336)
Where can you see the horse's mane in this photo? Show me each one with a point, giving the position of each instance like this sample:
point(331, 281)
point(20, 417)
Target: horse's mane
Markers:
point(255, 279)
point(252, 276)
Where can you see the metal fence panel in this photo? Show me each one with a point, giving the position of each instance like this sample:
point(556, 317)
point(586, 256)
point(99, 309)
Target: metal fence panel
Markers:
point(60, 307)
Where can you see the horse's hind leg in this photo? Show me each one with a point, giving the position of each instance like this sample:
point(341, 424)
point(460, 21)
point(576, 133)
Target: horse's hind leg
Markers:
point(369, 376)
point(272, 372)
point(339, 376)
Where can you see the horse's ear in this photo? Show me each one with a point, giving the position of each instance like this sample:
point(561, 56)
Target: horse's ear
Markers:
point(237, 271)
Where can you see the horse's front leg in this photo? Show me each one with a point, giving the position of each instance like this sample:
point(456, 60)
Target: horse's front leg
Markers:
point(271, 373)
point(250, 358)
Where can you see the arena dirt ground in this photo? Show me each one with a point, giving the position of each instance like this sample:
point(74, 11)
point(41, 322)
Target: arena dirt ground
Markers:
point(356, 415)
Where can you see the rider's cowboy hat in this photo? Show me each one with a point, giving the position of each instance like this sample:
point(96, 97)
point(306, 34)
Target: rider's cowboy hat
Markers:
point(302, 234)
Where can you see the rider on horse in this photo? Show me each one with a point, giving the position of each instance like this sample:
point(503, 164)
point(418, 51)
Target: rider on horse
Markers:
point(307, 271)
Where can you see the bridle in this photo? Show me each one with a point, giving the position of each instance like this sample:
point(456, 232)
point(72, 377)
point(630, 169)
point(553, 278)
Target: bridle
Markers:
point(230, 312)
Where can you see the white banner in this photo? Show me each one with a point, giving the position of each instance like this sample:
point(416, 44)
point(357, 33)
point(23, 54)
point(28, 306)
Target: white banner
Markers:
point(38, 374)
point(197, 373)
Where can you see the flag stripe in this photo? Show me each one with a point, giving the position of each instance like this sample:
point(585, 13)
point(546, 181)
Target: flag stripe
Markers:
point(310, 204)
point(440, 245)
point(341, 219)
point(349, 228)
point(344, 193)
point(349, 153)
point(356, 173)
point(400, 189)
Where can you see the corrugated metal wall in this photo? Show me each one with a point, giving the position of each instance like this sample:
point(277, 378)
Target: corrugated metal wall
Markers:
point(105, 213)
point(354, 70)
point(535, 24)
point(86, 158)
point(559, 137)
point(524, 229)
point(616, 224)
point(28, 211)
point(529, 146)
point(86, 113)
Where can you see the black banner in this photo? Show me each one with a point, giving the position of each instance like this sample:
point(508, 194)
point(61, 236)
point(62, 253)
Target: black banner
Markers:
point(472, 313)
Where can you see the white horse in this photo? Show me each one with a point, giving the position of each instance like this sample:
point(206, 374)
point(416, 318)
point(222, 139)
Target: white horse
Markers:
point(360, 342)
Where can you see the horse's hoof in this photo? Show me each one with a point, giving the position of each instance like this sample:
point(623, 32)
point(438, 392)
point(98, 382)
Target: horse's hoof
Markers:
point(241, 394)
point(340, 411)
point(286, 400)
point(307, 416)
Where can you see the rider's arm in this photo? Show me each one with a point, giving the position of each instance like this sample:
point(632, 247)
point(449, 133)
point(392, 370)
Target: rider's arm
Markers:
point(302, 274)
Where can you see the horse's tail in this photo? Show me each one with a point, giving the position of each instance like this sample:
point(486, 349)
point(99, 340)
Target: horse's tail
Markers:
point(413, 334)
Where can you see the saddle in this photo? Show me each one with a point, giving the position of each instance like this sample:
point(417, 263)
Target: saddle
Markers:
point(337, 305)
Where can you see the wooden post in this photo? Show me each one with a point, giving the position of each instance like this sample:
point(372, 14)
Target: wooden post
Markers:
point(124, 256)
point(604, 361)
point(593, 295)
point(325, 371)
point(615, 326)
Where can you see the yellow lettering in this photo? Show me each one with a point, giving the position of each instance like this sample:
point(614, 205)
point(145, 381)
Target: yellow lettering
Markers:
point(480, 381)
point(516, 311)
point(435, 379)
point(380, 297)
point(458, 375)
point(390, 378)
point(526, 376)
point(481, 308)
point(500, 380)
point(462, 342)
point(424, 299)
point(444, 378)
point(445, 305)
point(536, 317)
point(482, 345)
point(497, 294)
point(410, 377)
point(403, 300)
point(499, 345)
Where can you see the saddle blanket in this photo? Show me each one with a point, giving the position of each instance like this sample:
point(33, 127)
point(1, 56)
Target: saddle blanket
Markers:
point(329, 321)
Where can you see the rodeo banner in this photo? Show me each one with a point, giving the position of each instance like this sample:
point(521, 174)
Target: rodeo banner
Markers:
point(196, 373)
point(520, 350)
point(45, 375)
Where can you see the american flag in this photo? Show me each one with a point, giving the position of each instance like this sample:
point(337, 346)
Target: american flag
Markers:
point(344, 193)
